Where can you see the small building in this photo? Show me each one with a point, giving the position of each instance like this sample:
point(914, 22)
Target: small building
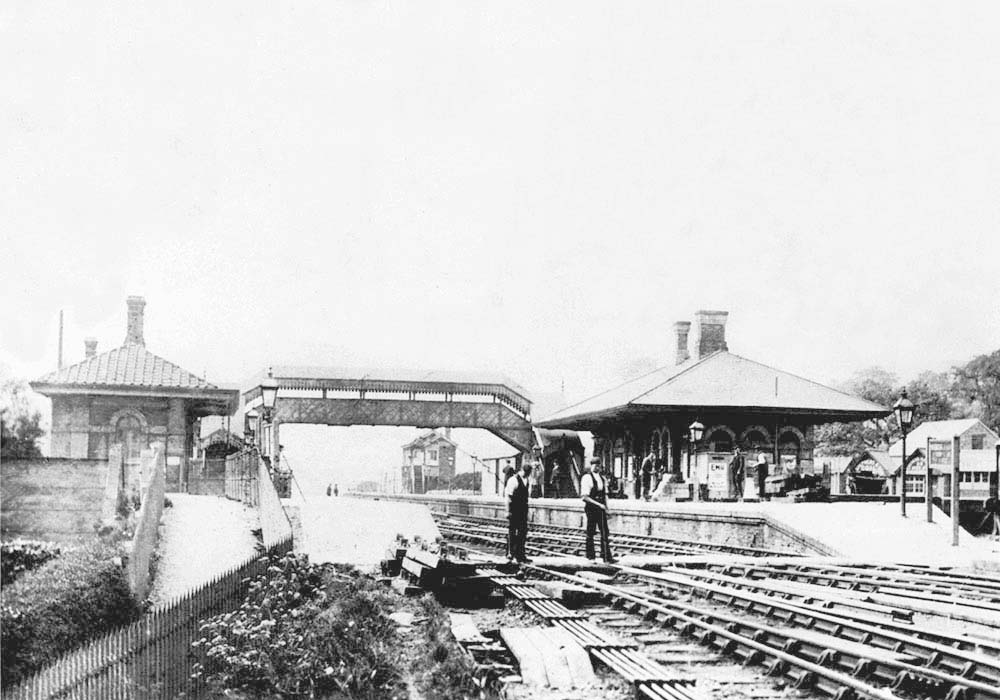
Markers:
point(428, 462)
point(977, 459)
point(130, 396)
point(742, 404)
point(866, 472)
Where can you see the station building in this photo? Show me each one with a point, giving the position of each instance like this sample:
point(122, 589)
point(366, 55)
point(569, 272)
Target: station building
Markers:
point(130, 396)
point(979, 460)
point(741, 402)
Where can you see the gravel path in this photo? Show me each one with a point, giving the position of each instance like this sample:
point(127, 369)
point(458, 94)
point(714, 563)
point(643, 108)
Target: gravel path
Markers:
point(200, 538)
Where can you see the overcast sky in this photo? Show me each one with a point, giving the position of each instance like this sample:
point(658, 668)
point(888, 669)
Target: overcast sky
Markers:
point(538, 188)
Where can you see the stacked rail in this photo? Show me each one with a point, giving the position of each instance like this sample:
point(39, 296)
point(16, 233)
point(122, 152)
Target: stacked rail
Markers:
point(650, 678)
point(844, 629)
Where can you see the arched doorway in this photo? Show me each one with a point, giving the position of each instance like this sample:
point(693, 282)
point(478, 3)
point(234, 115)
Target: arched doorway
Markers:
point(130, 433)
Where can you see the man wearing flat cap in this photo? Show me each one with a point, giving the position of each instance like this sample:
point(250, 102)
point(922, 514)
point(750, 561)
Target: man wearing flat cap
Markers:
point(593, 488)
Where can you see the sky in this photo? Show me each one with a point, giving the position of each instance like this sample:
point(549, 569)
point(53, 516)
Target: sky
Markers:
point(534, 188)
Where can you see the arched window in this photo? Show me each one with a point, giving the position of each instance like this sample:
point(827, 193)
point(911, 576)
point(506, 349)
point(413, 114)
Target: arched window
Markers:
point(789, 447)
point(131, 434)
point(721, 440)
point(756, 441)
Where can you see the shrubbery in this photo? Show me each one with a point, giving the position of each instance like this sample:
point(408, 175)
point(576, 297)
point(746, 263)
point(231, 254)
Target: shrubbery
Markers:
point(303, 631)
point(18, 556)
point(72, 599)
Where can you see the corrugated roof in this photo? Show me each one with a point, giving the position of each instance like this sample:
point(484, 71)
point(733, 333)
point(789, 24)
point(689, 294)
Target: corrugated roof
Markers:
point(129, 365)
point(938, 430)
point(721, 380)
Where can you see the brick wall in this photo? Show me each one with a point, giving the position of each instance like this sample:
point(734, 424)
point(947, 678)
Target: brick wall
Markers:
point(51, 499)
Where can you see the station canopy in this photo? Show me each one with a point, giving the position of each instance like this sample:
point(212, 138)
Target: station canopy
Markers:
point(720, 382)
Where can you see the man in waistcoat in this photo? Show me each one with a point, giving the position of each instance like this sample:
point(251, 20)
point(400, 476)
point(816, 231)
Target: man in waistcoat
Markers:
point(516, 491)
point(593, 488)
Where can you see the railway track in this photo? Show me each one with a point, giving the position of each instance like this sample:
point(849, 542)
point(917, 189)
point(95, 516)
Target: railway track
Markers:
point(821, 635)
point(571, 539)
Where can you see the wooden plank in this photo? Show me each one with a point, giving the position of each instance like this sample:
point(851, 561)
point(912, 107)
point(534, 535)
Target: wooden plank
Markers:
point(532, 669)
point(556, 668)
point(425, 576)
point(424, 557)
point(577, 658)
point(465, 630)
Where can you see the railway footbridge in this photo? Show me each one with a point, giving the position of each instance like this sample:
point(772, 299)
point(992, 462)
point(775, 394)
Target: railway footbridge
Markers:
point(346, 397)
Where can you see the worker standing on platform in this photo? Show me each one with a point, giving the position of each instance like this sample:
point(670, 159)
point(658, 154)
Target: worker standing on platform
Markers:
point(593, 488)
point(647, 469)
point(737, 474)
point(761, 475)
point(516, 491)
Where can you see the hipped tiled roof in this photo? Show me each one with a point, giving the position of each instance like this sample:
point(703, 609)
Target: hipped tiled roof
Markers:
point(130, 365)
point(720, 380)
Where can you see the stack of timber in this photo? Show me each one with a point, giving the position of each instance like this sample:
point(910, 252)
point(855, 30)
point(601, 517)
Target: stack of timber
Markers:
point(453, 580)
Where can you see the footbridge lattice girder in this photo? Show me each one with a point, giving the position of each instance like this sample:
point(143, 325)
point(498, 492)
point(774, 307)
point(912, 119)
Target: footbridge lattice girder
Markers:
point(497, 418)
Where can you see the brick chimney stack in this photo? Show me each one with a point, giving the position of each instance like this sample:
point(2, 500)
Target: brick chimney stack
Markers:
point(133, 333)
point(90, 347)
point(682, 328)
point(711, 332)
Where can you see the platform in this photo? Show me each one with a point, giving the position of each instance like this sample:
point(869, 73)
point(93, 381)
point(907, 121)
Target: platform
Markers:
point(358, 531)
point(873, 532)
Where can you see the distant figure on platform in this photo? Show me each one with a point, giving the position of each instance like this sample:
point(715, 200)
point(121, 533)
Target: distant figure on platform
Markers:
point(329, 489)
point(761, 476)
point(336, 491)
point(593, 488)
point(648, 467)
point(516, 491)
point(737, 473)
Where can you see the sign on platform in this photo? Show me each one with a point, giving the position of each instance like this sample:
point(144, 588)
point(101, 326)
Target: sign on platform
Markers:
point(939, 453)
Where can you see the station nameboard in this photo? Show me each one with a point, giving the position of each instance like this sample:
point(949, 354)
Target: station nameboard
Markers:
point(939, 453)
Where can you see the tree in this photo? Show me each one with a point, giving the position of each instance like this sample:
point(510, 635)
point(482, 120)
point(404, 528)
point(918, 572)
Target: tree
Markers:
point(879, 386)
point(932, 394)
point(20, 425)
point(977, 387)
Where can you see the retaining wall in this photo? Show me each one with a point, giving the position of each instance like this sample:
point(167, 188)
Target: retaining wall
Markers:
point(685, 522)
point(51, 499)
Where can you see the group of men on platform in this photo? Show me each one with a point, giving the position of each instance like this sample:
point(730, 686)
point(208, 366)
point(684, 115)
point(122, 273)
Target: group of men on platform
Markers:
point(594, 491)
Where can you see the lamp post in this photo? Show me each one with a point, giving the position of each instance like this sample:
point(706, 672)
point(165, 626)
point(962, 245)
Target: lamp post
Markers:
point(904, 414)
point(695, 431)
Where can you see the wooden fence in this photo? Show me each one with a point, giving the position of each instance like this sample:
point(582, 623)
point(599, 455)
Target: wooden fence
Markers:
point(152, 657)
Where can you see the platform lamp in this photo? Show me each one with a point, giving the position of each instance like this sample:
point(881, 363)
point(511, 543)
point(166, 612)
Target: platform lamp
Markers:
point(269, 396)
point(695, 431)
point(904, 414)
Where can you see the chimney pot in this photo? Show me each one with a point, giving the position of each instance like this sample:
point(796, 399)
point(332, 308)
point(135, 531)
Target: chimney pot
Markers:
point(133, 332)
point(682, 328)
point(90, 347)
point(711, 332)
